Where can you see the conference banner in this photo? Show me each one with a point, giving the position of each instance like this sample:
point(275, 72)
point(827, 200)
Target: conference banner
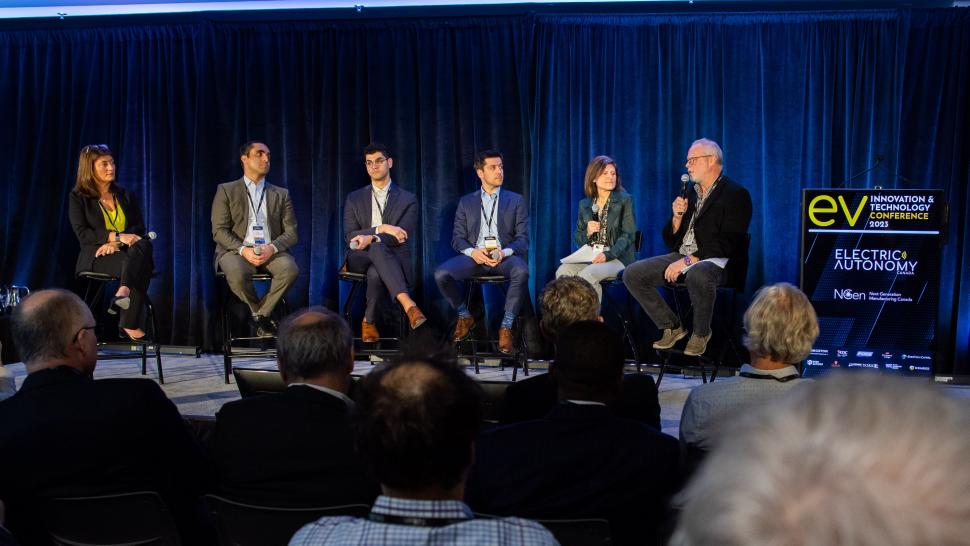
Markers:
point(870, 265)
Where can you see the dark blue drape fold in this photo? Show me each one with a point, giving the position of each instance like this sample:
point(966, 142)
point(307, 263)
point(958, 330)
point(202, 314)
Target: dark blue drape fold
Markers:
point(796, 100)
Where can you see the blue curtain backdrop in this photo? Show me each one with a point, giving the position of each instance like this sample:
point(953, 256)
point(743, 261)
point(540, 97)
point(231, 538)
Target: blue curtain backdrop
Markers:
point(796, 100)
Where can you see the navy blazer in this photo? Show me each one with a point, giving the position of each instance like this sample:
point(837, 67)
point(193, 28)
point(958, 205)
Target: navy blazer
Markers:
point(87, 221)
point(579, 461)
point(621, 228)
point(401, 211)
point(295, 448)
point(512, 222)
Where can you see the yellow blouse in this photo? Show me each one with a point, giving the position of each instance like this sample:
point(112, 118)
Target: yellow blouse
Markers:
point(113, 220)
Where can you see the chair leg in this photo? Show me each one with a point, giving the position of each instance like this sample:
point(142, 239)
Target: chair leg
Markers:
point(158, 348)
point(226, 337)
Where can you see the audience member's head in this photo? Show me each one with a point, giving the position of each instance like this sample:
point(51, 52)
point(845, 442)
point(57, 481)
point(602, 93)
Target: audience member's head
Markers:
point(859, 459)
point(781, 325)
point(564, 301)
point(55, 328)
point(589, 362)
point(418, 419)
point(314, 342)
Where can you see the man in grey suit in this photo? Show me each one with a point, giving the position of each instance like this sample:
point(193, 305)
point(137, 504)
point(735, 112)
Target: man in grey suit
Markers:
point(253, 225)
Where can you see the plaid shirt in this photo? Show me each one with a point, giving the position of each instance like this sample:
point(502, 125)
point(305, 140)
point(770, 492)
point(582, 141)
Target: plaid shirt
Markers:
point(346, 530)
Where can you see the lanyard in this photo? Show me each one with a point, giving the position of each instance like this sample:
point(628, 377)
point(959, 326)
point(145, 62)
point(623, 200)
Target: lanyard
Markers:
point(108, 214)
point(256, 208)
point(380, 209)
point(700, 203)
point(489, 218)
point(414, 521)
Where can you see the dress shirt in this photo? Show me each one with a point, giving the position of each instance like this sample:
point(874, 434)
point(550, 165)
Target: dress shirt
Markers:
point(257, 190)
point(465, 531)
point(337, 394)
point(488, 201)
point(381, 197)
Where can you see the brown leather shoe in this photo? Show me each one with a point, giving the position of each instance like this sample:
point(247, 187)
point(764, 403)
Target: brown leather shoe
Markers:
point(415, 317)
point(505, 342)
point(463, 328)
point(368, 332)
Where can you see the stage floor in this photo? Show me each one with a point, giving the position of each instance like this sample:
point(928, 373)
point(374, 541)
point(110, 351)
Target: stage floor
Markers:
point(196, 384)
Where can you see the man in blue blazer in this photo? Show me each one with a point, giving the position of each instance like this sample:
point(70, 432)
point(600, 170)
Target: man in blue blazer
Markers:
point(378, 220)
point(491, 234)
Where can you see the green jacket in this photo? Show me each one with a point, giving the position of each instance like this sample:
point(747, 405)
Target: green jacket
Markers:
point(621, 228)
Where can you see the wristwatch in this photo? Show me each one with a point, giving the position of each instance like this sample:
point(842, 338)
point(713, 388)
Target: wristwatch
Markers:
point(686, 260)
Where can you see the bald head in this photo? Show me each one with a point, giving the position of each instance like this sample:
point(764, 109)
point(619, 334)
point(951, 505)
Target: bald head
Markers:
point(47, 325)
point(313, 342)
point(418, 420)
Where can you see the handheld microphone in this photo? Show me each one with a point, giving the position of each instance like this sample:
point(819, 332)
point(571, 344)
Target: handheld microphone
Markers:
point(257, 250)
point(151, 235)
point(495, 254)
point(354, 245)
point(596, 212)
point(684, 179)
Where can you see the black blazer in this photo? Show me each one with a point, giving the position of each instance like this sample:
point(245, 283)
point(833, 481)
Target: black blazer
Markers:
point(88, 223)
point(295, 448)
point(578, 461)
point(64, 434)
point(721, 229)
point(401, 211)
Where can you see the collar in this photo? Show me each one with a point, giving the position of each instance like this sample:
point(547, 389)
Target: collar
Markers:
point(335, 393)
point(697, 187)
point(585, 402)
point(413, 508)
point(252, 183)
point(57, 374)
point(379, 191)
point(485, 195)
point(779, 374)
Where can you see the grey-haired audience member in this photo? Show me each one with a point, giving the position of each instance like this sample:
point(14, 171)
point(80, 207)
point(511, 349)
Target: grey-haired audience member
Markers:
point(781, 327)
point(856, 458)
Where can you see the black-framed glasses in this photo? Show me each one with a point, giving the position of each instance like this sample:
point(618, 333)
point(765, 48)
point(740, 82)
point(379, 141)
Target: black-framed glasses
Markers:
point(692, 160)
point(377, 162)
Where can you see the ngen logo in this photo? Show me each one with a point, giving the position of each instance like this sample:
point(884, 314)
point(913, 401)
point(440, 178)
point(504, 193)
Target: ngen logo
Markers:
point(848, 294)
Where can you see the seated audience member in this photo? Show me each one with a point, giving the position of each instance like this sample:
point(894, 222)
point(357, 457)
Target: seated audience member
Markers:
point(8, 384)
point(564, 301)
point(418, 419)
point(856, 458)
point(580, 460)
point(65, 434)
point(296, 448)
point(781, 327)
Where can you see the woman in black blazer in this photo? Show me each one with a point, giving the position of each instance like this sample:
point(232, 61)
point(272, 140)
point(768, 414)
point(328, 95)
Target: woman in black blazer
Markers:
point(613, 230)
point(108, 223)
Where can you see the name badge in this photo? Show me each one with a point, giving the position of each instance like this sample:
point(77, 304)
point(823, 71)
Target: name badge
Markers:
point(491, 242)
point(258, 237)
point(599, 249)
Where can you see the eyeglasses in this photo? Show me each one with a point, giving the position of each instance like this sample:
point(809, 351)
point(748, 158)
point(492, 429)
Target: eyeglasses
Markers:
point(692, 160)
point(377, 162)
point(83, 328)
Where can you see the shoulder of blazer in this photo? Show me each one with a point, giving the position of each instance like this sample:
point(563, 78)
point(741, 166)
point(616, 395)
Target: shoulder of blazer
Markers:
point(621, 197)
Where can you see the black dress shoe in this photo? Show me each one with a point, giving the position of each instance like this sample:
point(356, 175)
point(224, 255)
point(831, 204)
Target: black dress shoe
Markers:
point(118, 303)
point(265, 326)
point(133, 339)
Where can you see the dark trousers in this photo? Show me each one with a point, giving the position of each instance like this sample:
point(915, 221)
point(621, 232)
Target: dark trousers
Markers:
point(134, 267)
point(461, 267)
point(642, 279)
point(383, 270)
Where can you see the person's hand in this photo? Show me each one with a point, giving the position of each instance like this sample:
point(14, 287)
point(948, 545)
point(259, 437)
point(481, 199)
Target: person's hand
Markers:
point(679, 206)
point(250, 256)
point(128, 238)
point(599, 258)
point(592, 227)
point(363, 241)
point(105, 249)
point(394, 231)
point(265, 253)
point(673, 270)
point(481, 257)
point(492, 262)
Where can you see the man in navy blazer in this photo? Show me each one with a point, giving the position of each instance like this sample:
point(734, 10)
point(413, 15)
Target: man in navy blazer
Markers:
point(378, 220)
point(580, 460)
point(491, 234)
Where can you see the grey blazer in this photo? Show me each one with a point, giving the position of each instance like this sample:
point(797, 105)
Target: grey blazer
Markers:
point(230, 217)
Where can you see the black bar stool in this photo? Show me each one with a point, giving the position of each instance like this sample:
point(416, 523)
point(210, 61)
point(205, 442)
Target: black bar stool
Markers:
point(96, 283)
point(358, 284)
point(624, 315)
point(228, 338)
point(520, 357)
